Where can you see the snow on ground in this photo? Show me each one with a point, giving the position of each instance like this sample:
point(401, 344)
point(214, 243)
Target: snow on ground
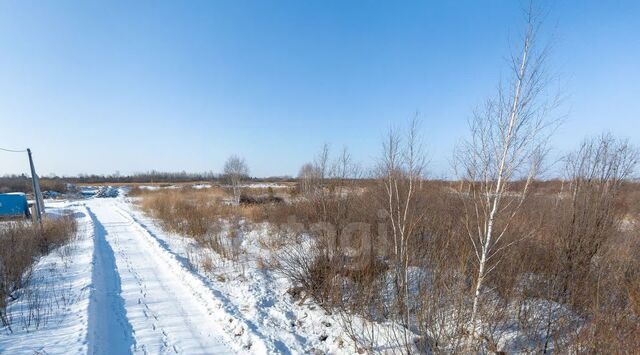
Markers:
point(149, 187)
point(201, 186)
point(159, 187)
point(50, 315)
point(153, 305)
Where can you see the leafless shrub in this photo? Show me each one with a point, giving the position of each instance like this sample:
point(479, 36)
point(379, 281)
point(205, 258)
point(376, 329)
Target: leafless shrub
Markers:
point(21, 244)
point(586, 249)
point(400, 173)
point(309, 178)
point(309, 271)
point(235, 170)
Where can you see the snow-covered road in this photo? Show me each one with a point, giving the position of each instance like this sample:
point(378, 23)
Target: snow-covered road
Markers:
point(140, 302)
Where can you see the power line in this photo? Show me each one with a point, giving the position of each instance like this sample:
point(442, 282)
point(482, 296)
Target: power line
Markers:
point(13, 150)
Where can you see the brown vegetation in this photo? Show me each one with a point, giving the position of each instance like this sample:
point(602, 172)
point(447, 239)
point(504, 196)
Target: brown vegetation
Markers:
point(206, 215)
point(22, 183)
point(21, 244)
point(570, 284)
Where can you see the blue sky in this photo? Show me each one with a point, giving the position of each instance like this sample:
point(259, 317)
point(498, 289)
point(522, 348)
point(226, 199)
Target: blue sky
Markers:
point(99, 87)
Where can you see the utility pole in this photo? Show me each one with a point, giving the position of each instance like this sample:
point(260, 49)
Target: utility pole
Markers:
point(37, 195)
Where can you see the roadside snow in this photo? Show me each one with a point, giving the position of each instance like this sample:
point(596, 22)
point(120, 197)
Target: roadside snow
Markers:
point(50, 315)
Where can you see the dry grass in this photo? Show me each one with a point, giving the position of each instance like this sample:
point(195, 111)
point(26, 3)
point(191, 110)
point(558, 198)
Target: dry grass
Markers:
point(21, 244)
point(204, 215)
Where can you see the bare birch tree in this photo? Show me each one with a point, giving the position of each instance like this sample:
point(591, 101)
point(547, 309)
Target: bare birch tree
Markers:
point(596, 173)
point(321, 167)
point(235, 170)
point(507, 143)
point(401, 172)
point(308, 177)
point(330, 184)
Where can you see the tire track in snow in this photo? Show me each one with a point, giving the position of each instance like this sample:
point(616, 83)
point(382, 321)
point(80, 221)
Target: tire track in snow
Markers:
point(109, 331)
point(166, 315)
point(167, 342)
point(214, 301)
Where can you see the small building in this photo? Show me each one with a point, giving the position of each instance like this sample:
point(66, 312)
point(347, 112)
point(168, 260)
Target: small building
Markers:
point(13, 205)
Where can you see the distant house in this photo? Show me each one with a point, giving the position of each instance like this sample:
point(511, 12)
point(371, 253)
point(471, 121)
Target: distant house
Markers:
point(14, 205)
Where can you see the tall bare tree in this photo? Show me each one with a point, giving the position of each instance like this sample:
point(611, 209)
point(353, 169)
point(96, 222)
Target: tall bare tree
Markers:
point(507, 143)
point(235, 170)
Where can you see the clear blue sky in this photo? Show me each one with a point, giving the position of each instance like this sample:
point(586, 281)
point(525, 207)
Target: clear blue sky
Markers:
point(96, 86)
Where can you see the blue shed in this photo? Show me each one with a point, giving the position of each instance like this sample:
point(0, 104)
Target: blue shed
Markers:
point(14, 205)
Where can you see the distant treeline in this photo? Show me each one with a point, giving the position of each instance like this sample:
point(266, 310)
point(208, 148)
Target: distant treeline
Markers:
point(161, 177)
point(22, 183)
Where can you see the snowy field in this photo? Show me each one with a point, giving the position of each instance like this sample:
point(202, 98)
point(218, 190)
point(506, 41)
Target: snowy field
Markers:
point(123, 285)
